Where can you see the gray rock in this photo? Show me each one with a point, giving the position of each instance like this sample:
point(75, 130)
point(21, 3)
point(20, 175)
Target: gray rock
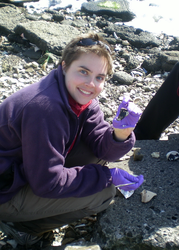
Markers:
point(33, 17)
point(20, 1)
point(57, 17)
point(79, 23)
point(76, 246)
point(123, 78)
point(174, 45)
point(9, 62)
point(130, 224)
point(161, 61)
point(31, 53)
point(10, 17)
point(47, 36)
point(117, 8)
point(133, 62)
point(136, 37)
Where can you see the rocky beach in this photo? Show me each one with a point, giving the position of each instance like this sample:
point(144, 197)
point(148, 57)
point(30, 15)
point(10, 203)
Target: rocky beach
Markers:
point(31, 46)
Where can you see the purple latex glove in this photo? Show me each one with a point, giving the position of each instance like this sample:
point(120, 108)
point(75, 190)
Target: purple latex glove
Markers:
point(119, 176)
point(127, 115)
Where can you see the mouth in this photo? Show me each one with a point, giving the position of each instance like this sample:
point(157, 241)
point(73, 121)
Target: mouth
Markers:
point(85, 92)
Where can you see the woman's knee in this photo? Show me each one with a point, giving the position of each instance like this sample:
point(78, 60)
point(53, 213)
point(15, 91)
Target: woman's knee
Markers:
point(103, 199)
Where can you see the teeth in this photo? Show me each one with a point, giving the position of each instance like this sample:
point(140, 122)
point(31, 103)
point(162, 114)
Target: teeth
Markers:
point(85, 92)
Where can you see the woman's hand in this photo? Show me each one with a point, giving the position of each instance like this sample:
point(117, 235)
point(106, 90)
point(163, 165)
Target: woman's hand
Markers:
point(125, 180)
point(126, 118)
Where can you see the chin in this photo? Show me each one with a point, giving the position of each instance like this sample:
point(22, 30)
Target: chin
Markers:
point(81, 102)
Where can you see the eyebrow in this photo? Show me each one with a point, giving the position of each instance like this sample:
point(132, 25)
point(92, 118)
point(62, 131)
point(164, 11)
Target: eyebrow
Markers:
point(91, 71)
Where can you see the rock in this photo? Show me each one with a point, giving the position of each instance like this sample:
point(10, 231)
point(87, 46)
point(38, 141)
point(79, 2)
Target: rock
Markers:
point(58, 17)
point(10, 17)
point(9, 62)
point(31, 53)
point(19, 1)
point(18, 39)
point(133, 62)
point(118, 8)
point(136, 37)
point(137, 154)
point(130, 224)
point(79, 23)
point(123, 78)
point(75, 246)
point(161, 61)
point(174, 44)
point(147, 195)
point(57, 38)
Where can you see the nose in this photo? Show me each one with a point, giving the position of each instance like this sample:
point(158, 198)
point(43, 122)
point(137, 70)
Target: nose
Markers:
point(90, 82)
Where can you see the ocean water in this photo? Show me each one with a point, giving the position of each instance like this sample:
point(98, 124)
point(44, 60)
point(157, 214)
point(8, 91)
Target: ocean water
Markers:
point(156, 16)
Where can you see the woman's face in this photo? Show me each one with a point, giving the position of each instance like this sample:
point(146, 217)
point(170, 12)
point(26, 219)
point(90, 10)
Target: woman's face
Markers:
point(85, 77)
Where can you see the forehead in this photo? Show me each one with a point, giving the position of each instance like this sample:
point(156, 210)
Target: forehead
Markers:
point(93, 62)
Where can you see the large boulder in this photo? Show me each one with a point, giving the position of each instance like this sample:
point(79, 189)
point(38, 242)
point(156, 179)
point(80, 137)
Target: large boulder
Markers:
point(118, 8)
point(10, 17)
point(136, 37)
point(161, 61)
point(47, 36)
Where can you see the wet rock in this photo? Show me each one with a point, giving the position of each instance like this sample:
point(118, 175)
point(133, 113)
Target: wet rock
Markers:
point(118, 8)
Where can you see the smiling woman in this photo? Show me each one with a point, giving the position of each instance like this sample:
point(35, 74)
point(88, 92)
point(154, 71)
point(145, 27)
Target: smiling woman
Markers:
point(85, 77)
point(55, 129)
point(85, 44)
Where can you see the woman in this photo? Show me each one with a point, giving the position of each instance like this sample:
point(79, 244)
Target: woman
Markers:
point(54, 143)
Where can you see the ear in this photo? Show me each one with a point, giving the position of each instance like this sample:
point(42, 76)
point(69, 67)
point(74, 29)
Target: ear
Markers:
point(63, 67)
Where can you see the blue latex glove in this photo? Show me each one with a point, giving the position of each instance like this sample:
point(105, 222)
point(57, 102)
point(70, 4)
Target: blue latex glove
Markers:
point(120, 176)
point(127, 115)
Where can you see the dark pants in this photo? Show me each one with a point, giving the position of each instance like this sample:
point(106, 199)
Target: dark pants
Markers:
point(35, 215)
point(162, 110)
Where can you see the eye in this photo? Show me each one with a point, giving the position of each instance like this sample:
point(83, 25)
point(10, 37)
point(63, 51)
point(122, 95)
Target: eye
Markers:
point(100, 78)
point(83, 72)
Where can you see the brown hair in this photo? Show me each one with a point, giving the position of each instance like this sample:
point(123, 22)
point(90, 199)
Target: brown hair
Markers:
point(73, 51)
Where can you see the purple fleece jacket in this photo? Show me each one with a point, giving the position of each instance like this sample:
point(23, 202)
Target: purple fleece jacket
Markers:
point(37, 127)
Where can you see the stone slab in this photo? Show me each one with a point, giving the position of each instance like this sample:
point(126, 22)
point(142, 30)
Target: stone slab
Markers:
point(47, 36)
point(10, 17)
point(129, 223)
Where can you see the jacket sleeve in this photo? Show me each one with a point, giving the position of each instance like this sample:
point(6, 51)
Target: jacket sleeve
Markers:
point(98, 135)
